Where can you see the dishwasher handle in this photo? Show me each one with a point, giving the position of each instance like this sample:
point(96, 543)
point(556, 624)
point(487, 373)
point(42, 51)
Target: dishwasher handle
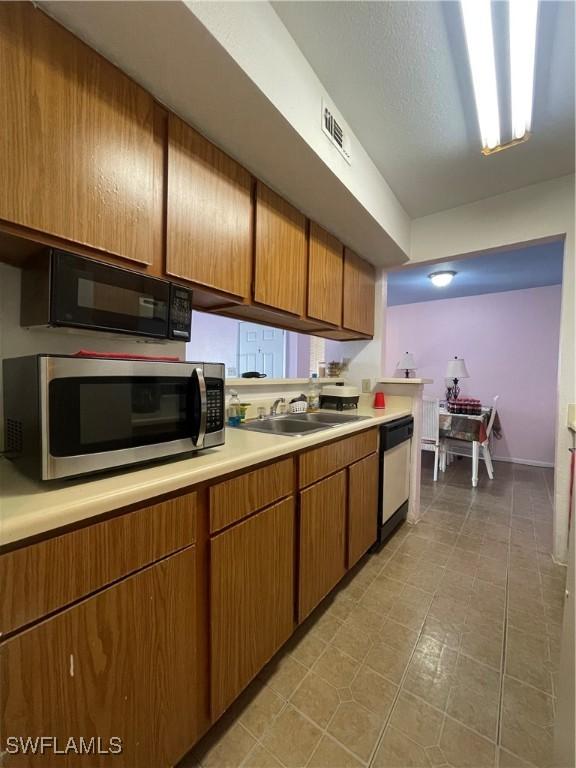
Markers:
point(396, 432)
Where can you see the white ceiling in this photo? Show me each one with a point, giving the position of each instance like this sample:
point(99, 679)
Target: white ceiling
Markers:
point(398, 72)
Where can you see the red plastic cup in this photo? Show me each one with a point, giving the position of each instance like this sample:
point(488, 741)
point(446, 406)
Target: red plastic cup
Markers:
point(379, 401)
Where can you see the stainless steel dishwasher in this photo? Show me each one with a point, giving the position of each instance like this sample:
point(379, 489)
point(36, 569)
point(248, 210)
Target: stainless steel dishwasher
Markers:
point(394, 486)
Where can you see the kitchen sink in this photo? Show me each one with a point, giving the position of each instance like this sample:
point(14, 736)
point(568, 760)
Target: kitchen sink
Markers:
point(281, 425)
point(332, 419)
point(298, 424)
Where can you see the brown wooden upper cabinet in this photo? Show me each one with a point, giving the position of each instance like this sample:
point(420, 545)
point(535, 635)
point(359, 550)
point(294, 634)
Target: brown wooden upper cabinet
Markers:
point(325, 274)
point(280, 253)
point(81, 151)
point(209, 229)
point(359, 294)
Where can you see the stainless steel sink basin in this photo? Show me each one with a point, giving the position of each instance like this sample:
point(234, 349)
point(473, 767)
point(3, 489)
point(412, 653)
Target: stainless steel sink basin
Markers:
point(332, 419)
point(298, 424)
point(282, 425)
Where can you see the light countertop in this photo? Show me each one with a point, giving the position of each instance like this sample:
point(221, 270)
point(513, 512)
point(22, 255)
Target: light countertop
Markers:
point(235, 383)
point(29, 508)
point(403, 380)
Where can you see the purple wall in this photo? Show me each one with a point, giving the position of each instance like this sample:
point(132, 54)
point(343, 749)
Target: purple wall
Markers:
point(510, 344)
point(335, 350)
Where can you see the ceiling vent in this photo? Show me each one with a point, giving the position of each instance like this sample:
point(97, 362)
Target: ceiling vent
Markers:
point(334, 127)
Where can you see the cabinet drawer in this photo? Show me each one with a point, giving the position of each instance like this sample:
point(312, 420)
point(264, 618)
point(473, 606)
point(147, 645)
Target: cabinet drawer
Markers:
point(234, 499)
point(323, 461)
point(44, 577)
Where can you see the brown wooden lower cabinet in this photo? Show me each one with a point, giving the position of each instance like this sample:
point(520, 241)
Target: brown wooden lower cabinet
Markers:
point(362, 507)
point(322, 540)
point(155, 656)
point(252, 598)
point(121, 663)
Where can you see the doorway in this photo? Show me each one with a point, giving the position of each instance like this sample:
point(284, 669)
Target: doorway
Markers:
point(262, 349)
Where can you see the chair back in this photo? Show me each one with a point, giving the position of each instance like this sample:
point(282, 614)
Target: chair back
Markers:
point(430, 419)
point(492, 417)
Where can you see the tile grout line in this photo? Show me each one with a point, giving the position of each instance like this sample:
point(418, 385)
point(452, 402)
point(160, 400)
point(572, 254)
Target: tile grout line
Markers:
point(423, 562)
point(505, 639)
point(405, 673)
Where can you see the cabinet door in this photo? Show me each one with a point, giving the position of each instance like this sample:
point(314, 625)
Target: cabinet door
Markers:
point(280, 253)
point(252, 598)
point(121, 663)
point(322, 540)
point(362, 507)
point(359, 294)
point(81, 152)
point(325, 274)
point(209, 230)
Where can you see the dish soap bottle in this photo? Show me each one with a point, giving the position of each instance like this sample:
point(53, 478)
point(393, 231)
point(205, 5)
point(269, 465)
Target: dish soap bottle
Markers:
point(314, 393)
point(234, 409)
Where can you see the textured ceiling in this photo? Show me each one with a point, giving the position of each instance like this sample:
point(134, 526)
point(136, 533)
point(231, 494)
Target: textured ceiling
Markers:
point(398, 72)
point(528, 267)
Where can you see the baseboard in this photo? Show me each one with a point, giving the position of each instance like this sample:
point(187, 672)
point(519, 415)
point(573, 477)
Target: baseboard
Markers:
point(527, 462)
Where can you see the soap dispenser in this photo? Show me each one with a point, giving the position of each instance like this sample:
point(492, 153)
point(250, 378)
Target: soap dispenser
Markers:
point(234, 409)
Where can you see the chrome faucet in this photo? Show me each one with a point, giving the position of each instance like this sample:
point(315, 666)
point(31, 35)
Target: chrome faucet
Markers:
point(274, 407)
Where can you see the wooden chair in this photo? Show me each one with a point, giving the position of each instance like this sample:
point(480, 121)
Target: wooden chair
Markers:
point(430, 437)
point(452, 447)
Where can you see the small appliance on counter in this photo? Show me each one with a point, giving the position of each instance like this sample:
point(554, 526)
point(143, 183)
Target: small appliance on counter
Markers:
point(71, 415)
point(339, 397)
point(60, 289)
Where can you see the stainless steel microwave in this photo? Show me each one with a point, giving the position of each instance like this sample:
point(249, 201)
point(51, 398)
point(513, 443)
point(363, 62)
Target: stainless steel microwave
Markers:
point(67, 416)
point(64, 290)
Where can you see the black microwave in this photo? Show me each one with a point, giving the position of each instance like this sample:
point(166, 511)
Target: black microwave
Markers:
point(64, 290)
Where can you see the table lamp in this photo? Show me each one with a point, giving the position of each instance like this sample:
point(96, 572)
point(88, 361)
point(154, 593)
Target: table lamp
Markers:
point(406, 364)
point(456, 370)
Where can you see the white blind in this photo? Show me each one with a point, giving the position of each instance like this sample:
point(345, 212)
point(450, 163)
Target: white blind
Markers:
point(317, 352)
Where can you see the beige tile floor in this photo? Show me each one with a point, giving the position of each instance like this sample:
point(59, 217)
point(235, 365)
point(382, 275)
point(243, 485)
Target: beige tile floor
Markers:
point(440, 650)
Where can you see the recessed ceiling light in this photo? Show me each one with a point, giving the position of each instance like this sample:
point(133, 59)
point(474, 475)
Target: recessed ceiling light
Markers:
point(523, 17)
point(442, 279)
point(477, 15)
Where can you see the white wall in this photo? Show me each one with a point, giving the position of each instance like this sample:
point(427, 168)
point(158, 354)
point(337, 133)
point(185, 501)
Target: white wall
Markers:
point(539, 211)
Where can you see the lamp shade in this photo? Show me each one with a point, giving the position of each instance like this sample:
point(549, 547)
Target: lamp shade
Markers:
point(406, 362)
point(456, 369)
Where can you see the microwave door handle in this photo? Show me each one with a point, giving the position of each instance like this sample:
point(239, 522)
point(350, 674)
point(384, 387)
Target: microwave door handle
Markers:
point(198, 379)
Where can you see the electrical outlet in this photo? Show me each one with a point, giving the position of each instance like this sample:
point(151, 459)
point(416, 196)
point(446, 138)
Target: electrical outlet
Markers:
point(366, 386)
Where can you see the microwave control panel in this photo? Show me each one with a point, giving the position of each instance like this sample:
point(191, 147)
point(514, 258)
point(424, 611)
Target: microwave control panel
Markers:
point(180, 313)
point(215, 405)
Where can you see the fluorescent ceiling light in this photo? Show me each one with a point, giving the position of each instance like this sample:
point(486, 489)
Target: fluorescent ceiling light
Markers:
point(441, 279)
point(523, 21)
point(477, 16)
